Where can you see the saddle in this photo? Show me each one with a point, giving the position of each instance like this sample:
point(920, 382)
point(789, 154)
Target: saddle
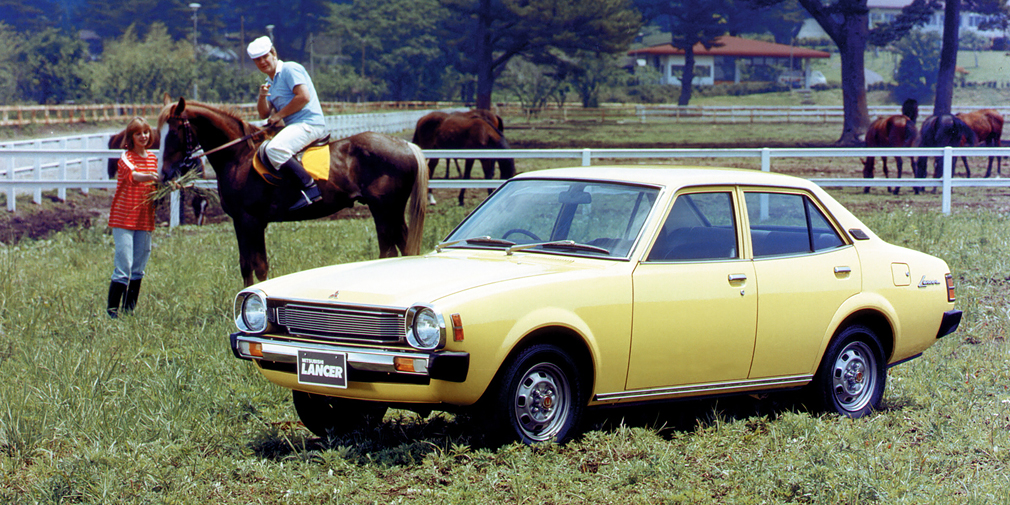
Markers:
point(315, 158)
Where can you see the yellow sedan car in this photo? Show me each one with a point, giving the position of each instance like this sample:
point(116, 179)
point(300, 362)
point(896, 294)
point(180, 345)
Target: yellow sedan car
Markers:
point(574, 288)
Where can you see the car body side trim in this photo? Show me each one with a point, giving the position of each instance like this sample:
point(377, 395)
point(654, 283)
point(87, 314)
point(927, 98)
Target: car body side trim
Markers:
point(714, 388)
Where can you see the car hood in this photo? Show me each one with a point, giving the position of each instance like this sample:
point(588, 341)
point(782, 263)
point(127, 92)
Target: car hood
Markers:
point(400, 282)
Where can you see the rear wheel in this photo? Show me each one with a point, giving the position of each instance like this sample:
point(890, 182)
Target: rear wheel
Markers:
point(852, 375)
point(539, 397)
point(326, 416)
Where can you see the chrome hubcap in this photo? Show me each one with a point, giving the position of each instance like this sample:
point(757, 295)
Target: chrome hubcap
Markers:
point(854, 376)
point(542, 402)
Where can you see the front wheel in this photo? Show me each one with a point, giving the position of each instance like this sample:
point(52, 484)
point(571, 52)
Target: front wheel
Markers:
point(540, 396)
point(852, 375)
point(326, 416)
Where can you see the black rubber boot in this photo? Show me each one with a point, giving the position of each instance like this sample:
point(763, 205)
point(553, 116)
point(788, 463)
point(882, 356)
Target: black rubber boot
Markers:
point(116, 290)
point(310, 191)
point(132, 292)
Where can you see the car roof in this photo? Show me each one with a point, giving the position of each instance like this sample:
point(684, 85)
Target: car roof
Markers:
point(672, 176)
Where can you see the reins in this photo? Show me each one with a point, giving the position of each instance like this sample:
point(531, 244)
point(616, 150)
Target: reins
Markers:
point(233, 142)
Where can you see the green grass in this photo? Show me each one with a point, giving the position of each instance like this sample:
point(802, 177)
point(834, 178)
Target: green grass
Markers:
point(153, 408)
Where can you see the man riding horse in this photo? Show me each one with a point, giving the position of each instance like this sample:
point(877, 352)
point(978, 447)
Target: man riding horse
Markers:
point(288, 95)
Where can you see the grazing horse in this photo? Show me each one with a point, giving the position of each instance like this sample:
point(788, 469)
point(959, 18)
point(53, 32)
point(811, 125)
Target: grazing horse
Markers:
point(375, 169)
point(988, 127)
point(892, 131)
point(941, 131)
point(474, 129)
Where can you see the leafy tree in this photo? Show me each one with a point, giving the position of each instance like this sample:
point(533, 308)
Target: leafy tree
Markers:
point(394, 41)
point(10, 41)
point(134, 71)
point(591, 73)
point(341, 82)
point(691, 22)
point(49, 68)
point(917, 71)
point(489, 33)
point(31, 17)
point(783, 21)
point(531, 84)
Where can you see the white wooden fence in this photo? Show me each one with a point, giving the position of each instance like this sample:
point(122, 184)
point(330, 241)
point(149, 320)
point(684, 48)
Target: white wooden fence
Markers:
point(774, 114)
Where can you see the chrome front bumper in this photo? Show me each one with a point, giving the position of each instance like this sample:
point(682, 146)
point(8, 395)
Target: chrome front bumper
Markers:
point(441, 365)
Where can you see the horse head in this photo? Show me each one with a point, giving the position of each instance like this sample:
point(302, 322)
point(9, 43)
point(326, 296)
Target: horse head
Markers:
point(910, 108)
point(179, 143)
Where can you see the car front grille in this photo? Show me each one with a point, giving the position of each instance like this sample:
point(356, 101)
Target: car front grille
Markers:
point(341, 323)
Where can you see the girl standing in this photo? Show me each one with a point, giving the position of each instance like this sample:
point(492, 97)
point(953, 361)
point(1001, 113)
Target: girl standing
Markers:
point(132, 216)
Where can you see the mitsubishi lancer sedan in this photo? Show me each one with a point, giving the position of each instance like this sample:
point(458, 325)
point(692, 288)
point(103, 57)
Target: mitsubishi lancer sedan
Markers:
point(575, 288)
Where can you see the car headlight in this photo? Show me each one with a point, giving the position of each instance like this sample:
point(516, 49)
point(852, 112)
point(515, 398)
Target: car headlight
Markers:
point(425, 328)
point(251, 311)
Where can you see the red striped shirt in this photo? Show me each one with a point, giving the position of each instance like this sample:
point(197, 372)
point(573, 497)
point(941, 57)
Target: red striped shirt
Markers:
point(132, 208)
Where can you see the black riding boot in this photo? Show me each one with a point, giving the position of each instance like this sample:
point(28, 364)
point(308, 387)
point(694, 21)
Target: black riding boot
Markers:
point(310, 191)
point(116, 290)
point(132, 292)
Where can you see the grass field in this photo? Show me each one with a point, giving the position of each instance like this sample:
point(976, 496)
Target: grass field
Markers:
point(153, 408)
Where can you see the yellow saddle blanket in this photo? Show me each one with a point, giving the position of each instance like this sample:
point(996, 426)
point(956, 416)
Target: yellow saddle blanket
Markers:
point(316, 161)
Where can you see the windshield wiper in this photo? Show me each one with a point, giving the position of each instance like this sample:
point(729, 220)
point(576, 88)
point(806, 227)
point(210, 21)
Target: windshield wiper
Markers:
point(485, 240)
point(559, 244)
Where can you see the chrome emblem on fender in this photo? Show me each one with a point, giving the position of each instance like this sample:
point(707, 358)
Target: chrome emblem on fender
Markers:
point(928, 282)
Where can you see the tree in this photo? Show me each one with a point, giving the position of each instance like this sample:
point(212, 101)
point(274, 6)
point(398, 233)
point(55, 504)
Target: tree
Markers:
point(49, 68)
point(591, 72)
point(10, 42)
point(492, 32)
point(134, 71)
point(393, 41)
point(531, 84)
point(691, 22)
point(917, 71)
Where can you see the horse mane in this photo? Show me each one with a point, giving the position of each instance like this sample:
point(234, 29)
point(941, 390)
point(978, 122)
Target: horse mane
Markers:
point(227, 112)
point(910, 109)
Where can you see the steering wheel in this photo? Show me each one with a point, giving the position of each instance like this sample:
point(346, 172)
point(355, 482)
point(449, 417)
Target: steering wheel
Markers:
point(521, 231)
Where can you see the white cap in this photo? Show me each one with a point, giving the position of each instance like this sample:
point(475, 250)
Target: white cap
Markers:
point(259, 47)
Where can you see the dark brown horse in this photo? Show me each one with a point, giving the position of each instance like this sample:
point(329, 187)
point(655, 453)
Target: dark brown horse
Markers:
point(475, 129)
point(377, 170)
point(891, 131)
point(941, 131)
point(988, 127)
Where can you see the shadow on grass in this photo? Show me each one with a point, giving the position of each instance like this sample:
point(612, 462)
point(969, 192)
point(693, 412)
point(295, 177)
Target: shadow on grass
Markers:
point(404, 438)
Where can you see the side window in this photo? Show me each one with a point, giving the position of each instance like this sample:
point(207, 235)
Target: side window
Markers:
point(700, 226)
point(787, 224)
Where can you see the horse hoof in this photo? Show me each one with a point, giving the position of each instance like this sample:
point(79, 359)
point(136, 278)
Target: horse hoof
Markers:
point(431, 199)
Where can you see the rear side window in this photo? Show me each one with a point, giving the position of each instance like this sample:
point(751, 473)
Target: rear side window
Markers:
point(788, 224)
point(700, 227)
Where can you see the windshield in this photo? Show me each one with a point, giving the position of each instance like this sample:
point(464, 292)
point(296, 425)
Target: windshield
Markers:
point(562, 217)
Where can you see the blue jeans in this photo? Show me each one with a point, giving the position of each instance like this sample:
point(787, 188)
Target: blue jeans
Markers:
point(133, 249)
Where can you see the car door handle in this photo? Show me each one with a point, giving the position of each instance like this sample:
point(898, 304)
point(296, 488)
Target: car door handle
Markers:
point(737, 277)
point(843, 270)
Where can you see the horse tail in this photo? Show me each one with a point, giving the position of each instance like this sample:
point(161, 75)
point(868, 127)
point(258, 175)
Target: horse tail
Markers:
point(418, 203)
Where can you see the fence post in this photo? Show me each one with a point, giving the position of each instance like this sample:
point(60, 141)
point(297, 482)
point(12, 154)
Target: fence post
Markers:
point(948, 165)
point(173, 209)
point(12, 193)
point(61, 193)
point(586, 157)
point(37, 195)
point(766, 160)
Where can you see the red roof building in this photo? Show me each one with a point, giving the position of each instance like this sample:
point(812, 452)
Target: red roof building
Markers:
point(730, 60)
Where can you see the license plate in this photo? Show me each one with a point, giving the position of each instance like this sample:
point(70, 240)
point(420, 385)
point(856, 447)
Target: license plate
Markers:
point(322, 368)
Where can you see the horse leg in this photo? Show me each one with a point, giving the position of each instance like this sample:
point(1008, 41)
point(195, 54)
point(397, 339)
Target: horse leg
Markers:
point(897, 161)
point(252, 250)
point(953, 166)
point(868, 171)
point(432, 165)
point(487, 164)
point(467, 167)
point(883, 161)
point(390, 230)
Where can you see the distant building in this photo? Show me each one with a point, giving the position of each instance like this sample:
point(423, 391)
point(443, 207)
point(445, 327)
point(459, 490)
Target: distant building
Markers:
point(723, 63)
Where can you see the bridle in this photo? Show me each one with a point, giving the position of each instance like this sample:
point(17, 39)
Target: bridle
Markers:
point(194, 151)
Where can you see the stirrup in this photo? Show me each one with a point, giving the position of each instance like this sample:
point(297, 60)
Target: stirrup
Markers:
point(309, 196)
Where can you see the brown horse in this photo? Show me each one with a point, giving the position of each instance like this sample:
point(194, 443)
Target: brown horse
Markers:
point(941, 131)
point(892, 131)
point(377, 170)
point(988, 127)
point(474, 129)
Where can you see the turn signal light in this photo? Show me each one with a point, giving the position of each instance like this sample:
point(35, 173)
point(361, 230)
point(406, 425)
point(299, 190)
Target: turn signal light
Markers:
point(403, 364)
point(251, 349)
point(950, 287)
point(457, 327)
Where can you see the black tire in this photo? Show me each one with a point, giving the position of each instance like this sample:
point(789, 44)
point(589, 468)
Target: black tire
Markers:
point(326, 416)
point(538, 398)
point(851, 378)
